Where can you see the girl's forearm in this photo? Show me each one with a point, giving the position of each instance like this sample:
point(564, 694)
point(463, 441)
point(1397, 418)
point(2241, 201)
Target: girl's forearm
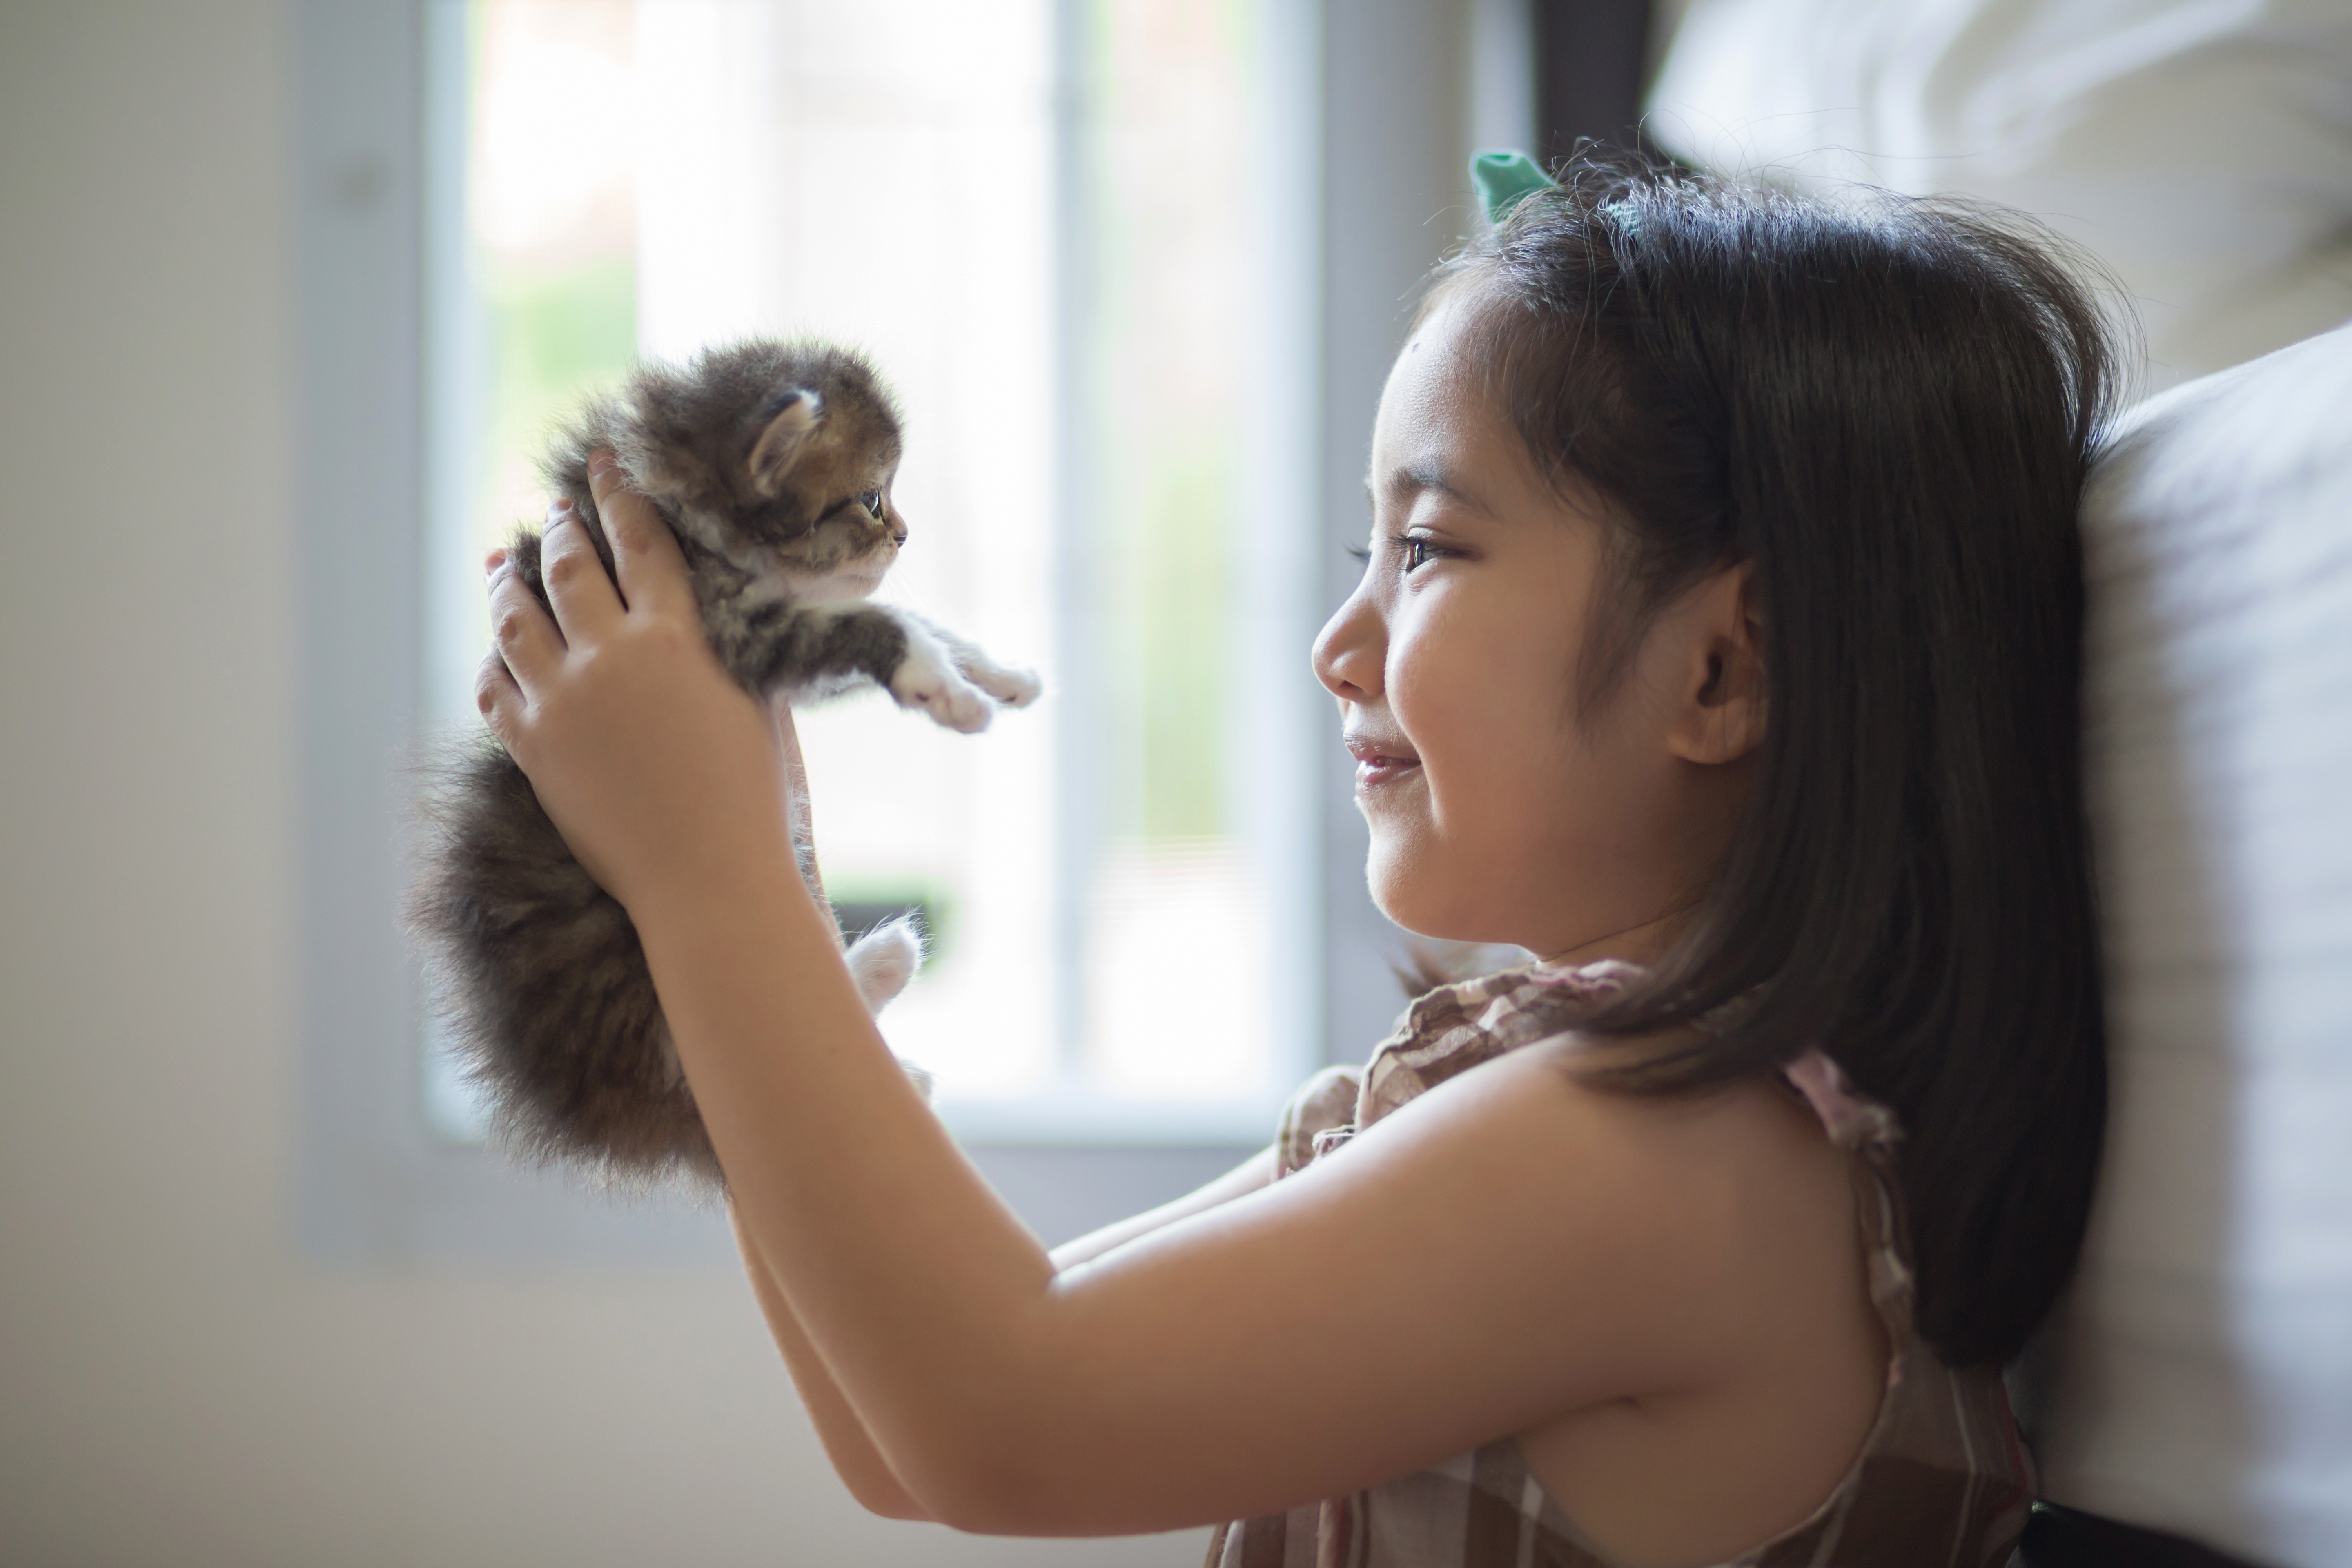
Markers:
point(922, 1293)
point(855, 1458)
point(861, 1465)
point(1247, 1177)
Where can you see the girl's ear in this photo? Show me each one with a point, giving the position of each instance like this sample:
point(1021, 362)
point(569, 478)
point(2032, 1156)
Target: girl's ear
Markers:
point(1721, 702)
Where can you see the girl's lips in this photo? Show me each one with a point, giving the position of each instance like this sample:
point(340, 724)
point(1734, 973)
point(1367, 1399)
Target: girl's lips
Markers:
point(1375, 767)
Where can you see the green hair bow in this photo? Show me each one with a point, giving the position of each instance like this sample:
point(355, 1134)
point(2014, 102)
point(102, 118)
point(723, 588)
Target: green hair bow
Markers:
point(1505, 180)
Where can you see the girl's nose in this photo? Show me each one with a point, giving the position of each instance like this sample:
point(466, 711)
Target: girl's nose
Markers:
point(1350, 650)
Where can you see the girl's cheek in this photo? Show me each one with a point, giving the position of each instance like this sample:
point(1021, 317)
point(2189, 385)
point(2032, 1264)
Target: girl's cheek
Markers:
point(1441, 675)
point(1409, 675)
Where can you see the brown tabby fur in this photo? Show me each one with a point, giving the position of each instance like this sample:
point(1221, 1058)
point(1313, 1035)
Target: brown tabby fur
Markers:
point(772, 465)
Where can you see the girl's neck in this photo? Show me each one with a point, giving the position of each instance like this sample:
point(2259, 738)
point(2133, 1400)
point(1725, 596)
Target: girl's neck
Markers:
point(1634, 944)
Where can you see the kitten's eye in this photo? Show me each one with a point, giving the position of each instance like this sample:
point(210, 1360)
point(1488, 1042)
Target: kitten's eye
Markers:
point(872, 501)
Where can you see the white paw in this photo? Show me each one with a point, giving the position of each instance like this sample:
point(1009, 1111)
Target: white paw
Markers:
point(922, 1078)
point(1013, 687)
point(925, 680)
point(884, 959)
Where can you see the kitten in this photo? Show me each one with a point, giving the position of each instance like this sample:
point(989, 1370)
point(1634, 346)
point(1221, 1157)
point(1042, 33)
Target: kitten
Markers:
point(772, 465)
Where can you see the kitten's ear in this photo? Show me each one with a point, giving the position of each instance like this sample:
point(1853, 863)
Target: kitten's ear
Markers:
point(792, 418)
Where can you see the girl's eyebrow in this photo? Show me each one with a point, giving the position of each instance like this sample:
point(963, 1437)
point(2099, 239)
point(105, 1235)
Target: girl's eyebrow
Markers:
point(1416, 479)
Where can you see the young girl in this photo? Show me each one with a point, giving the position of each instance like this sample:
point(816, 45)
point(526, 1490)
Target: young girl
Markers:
point(1717, 641)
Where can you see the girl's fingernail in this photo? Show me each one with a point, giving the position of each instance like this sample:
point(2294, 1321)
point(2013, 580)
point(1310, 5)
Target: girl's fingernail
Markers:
point(560, 508)
point(492, 561)
point(599, 463)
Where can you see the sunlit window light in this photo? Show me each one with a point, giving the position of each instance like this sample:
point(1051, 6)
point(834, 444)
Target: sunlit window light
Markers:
point(1045, 219)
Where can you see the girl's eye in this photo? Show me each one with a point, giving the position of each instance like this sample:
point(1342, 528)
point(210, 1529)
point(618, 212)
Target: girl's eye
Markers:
point(1418, 549)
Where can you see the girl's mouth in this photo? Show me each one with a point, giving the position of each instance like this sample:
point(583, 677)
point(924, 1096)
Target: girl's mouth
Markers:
point(1377, 764)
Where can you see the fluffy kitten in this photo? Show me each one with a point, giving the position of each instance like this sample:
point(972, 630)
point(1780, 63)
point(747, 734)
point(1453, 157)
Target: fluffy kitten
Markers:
point(772, 464)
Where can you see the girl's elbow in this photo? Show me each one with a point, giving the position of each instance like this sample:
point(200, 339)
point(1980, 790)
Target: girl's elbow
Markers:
point(977, 1504)
point(1023, 1458)
point(1000, 1493)
point(897, 1505)
point(878, 1491)
point(887, 1500)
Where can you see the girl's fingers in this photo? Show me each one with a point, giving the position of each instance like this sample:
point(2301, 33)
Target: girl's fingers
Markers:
point(586, 602)
point(498, 697)
point(525, 637)
point(645, 556)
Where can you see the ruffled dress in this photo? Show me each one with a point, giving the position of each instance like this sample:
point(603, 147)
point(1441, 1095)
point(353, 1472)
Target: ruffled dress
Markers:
point(1942, 1479)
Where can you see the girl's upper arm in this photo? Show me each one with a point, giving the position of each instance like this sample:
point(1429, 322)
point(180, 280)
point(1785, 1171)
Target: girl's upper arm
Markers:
point(1507, 1248)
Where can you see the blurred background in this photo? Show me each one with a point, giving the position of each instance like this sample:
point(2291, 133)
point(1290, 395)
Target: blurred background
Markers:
point(288, 295)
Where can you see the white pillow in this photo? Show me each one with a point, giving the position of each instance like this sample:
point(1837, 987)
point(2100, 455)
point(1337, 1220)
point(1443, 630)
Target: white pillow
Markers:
point(2205, 1361)
point(2201, 147)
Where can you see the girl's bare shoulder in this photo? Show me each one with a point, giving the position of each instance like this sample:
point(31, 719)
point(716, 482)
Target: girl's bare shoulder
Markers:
point(1752, 1143)
point(1787, 1354)
point(1719, 1225)
point(1730, 1203)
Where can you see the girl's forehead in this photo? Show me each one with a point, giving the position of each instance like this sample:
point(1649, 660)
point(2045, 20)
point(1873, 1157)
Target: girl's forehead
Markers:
point(1440, 350)
point(1437, 428)
point(1429, 396)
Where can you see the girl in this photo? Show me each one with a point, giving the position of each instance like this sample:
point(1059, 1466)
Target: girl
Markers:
point(1718, 641)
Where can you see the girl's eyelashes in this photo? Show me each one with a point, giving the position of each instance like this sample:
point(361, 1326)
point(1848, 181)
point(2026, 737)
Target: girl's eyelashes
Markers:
point(1418, 549)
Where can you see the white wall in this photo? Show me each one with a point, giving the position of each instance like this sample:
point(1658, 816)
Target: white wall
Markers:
point(177, 1386)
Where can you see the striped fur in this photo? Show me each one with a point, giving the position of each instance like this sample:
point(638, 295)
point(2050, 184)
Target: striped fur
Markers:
point(772, 464)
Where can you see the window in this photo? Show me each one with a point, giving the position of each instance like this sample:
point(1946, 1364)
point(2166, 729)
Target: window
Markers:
point(1041, 217)
point(1352, 162)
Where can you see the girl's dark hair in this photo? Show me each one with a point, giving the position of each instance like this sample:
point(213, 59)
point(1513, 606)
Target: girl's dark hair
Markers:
point(1886, 407)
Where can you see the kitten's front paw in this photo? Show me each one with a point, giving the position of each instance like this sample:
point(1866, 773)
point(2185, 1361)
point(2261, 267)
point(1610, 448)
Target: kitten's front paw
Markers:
point(1013, 687)
point(925, 680)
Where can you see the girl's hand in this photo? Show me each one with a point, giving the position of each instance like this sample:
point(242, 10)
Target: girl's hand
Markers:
point(663, 775)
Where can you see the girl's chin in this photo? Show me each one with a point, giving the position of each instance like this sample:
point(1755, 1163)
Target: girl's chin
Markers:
point(1411, 890)
point(1434, 892)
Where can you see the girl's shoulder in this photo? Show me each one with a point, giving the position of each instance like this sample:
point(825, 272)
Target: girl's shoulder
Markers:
point(1752, 1187)
point(1531, 1013)
point(1712, 1247)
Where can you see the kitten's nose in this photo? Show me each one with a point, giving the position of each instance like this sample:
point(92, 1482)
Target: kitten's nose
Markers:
point(897, 533)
